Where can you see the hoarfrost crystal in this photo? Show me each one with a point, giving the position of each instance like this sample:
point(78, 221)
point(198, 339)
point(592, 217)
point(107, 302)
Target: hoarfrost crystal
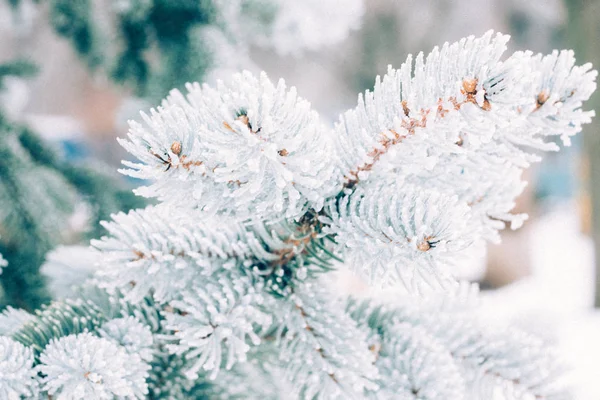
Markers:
point(12, 319)
point(147, 245)
point(464, 122)
point(214, 317)
point(382, 231)
point(85, 366)
point(130, 333)
point(17, 375)
point(326, 356)
point(427, 368)
point(247, 148)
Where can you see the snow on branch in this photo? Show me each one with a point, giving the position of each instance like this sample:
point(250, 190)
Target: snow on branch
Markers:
point(441, 346)
point(325, 354)
point(390, 235)
point(146, 245)
point(17, 379)
point(86, 366)
point(248, 148)
point(465, 123)
point(216, 318)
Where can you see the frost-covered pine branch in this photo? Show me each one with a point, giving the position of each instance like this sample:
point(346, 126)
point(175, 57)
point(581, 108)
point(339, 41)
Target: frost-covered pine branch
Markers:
point(87, 366)
point(17, 376)
point(435, 349)
point(462, 123)
point(68, 267)
point(226, 284)
point(11, 320)
point(248, 148)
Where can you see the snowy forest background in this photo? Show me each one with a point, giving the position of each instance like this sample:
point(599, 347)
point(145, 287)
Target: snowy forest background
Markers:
point(540, 278)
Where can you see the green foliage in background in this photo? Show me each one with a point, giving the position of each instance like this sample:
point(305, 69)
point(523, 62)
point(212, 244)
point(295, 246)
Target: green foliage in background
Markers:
point(38, 193)
point(152, 47)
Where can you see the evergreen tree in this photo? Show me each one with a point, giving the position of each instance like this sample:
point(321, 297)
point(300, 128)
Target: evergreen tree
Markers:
point(224, 289)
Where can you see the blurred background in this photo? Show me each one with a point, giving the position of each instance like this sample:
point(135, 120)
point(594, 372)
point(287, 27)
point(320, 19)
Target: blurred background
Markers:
point(73, 73)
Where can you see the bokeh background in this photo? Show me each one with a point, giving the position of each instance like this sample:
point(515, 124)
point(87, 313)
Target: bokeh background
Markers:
point(543, 277)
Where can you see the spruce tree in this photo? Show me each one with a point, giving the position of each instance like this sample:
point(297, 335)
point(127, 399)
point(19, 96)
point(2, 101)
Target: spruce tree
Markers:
point(224, 289)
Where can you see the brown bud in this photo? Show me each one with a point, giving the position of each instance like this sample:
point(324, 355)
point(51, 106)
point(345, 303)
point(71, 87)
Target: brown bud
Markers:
point(542, 98)
point(469, 85)
point(375, 348)
point(176, 148)
point(138, 254)
point(405, 108)
point(424, 245)
point(283, 152)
